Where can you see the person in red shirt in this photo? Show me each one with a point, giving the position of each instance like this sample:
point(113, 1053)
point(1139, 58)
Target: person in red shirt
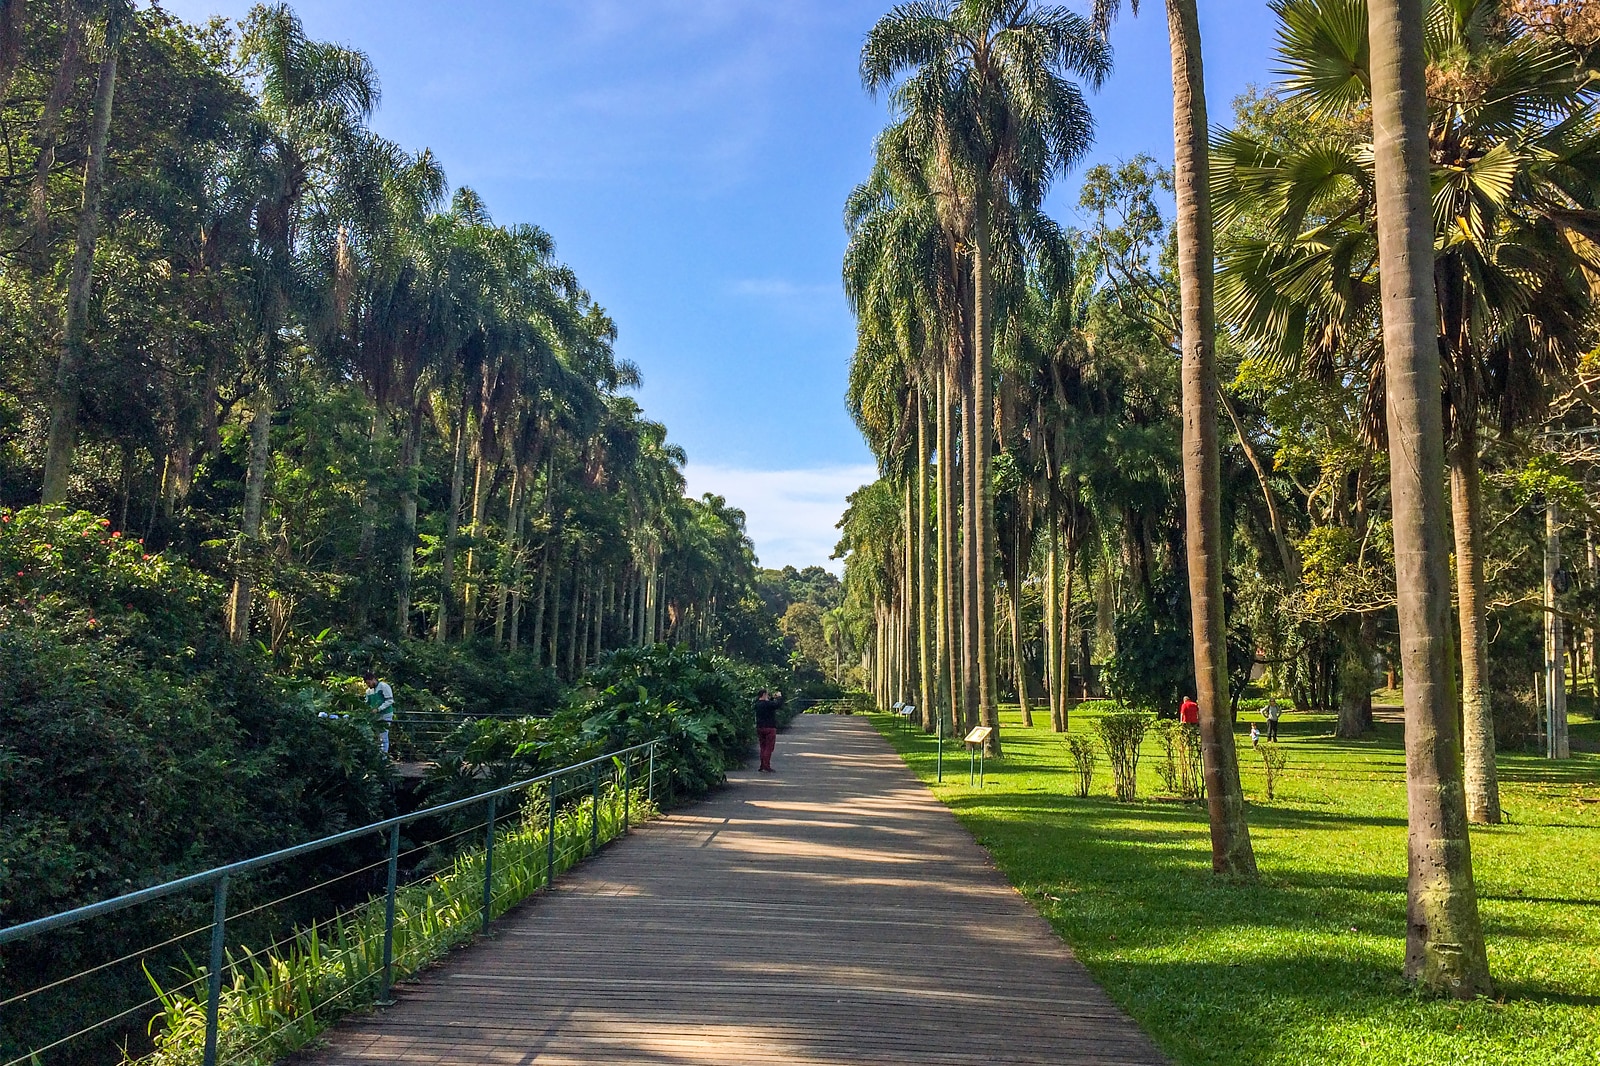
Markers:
point(1189, 712)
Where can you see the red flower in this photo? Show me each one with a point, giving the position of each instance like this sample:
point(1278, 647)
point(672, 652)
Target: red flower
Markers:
point(114, 536)
point(19, 573)
point(147, 558)
point(105, 521)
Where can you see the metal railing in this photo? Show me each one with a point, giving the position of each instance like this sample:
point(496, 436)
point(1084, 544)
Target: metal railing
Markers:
point(622, 764)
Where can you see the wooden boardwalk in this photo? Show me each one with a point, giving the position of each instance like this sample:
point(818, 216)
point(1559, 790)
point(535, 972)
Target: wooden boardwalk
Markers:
point(833, 912)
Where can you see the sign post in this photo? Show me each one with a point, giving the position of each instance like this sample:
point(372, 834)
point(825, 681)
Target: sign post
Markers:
point(974, 742)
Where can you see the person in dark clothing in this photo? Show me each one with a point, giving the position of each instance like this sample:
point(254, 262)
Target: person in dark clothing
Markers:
point(767, 705)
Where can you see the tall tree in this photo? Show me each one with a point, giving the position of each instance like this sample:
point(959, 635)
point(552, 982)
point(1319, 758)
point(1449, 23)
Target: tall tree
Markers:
point(994, 112)
point(64, 402)
point(1231, 851)
point(1444, 938)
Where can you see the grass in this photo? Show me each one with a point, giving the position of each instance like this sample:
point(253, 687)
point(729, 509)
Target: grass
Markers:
point(1304, 966)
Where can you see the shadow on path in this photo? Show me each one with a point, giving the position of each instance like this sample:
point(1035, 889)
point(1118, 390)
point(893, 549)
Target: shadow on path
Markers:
point(833, 912)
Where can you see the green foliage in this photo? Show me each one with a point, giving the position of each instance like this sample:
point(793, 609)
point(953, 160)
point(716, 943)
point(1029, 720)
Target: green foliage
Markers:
point(135, 742)
point(1081, 749)
point(1153, 668)
point(1121, 736)
point(695, 703)
point(1181, 767)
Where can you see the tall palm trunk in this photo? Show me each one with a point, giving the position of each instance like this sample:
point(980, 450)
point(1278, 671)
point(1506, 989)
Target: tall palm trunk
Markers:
point(980, 422)
point(969, 566)
point(537, 642)
point(63, 437)
point(502, 595)
point(452, 523)
point(1444, 940)
point(1064, 624)
point(950, 469)
point(1466, 498)
point(411, 471)
point(1019, 661)
point(925, 657)
point(1231, 852)
point(1054, 681)
point(945, 535)
point(249, 547)
point(469, 577)
point(553, 646)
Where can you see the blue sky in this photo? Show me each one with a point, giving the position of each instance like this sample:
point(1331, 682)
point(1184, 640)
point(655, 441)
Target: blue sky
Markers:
point(691, 159)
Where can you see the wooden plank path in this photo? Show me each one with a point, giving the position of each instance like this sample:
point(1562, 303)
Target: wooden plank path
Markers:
point(832, 912)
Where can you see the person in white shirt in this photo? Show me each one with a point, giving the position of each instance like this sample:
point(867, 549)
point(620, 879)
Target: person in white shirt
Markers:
point(1272, 712)
point(380, 697)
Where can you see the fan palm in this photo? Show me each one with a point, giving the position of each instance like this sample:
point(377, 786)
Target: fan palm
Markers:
point(1514, 139)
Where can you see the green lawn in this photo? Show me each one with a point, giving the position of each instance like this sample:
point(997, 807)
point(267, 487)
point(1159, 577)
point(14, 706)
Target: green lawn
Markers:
point(1304, 967)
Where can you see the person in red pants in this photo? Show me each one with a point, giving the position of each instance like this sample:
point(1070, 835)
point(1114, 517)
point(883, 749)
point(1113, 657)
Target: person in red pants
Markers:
point(767, 727)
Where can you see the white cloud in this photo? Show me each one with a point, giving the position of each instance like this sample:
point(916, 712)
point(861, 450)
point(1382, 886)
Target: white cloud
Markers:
point(791, 514)
point(778, 288)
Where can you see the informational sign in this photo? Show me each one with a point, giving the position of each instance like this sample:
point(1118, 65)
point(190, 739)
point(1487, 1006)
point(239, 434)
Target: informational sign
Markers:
point(979, 735)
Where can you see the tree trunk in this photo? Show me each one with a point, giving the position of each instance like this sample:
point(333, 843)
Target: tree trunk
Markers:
point(1444, 940)
point(249, 546)
point(469, 577)
point(458, 477)
point(981, 421)
point(1064, 624)
point(63, 437)
point(366, 578)
point(48, 132)
point(1052, 617)
point(1480, 780)
point(1019, 661)
point(411, 471)
point(539, 604)
point(949, 613)
point(1231, 853)
point(502, 595)
point(553, 648)
point(925, 655)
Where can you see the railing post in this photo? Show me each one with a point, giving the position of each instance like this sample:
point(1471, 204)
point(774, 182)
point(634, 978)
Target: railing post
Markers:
point(594, 810)
point(388, 914)
point(651, 788)
point(219, 918)
point(488, 865)
point(627, 792)
point(550, 839)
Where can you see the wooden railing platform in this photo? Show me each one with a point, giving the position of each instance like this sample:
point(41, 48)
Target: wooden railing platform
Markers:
point(832, 912)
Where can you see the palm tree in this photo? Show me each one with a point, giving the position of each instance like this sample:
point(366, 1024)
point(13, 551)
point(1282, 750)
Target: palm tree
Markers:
point(315, 99)
point(1514, 149)
point(1444, 939)
point(993, 113)
point(1231, 852)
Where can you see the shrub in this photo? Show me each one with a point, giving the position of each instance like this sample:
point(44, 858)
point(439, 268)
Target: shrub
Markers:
point(1181, 768)
point(1121, 734)
point(694, 703)
point(1273, 760)
point(1081, 748)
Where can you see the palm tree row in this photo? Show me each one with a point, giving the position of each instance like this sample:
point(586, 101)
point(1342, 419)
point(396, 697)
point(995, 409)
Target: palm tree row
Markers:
point(987, 369)
point(492, 478)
